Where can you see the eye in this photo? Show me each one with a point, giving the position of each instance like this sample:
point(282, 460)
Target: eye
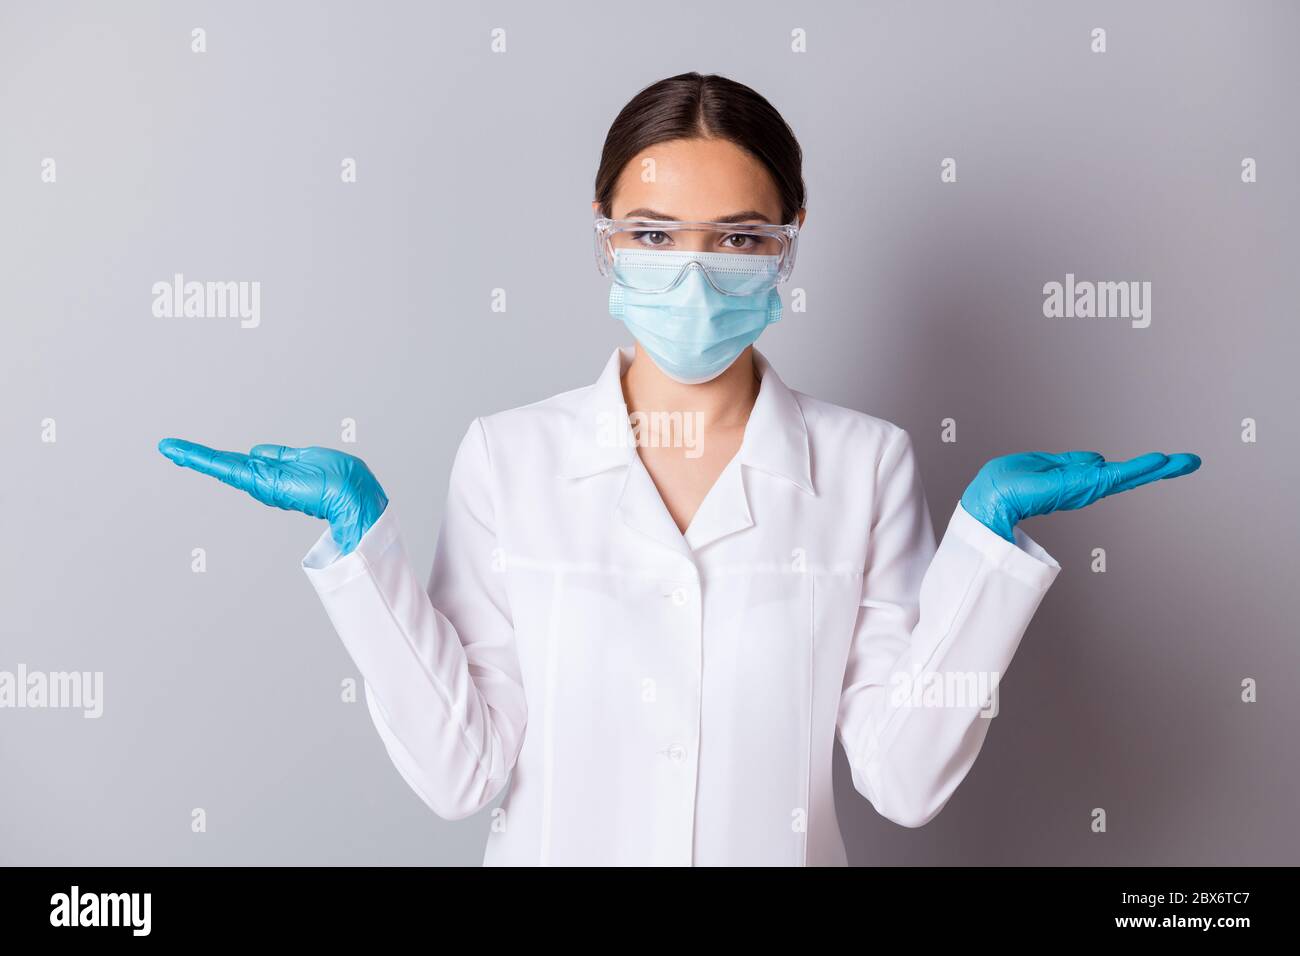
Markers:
point(651, 238)
point(739, 242)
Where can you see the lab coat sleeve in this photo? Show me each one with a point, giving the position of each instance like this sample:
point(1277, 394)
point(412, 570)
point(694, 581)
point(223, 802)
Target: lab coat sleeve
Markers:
point(936, 630)
point(442, 676)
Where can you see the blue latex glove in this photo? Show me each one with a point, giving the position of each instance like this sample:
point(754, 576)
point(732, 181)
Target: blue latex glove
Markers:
point(320, 482)
point(1014, 487)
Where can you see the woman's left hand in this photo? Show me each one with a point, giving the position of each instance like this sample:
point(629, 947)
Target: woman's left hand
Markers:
point(1014, 487)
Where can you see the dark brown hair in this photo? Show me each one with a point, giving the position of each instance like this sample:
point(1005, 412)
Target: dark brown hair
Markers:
point(693, 106)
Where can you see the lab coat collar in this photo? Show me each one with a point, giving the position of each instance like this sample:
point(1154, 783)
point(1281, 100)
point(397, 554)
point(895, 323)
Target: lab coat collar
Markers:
point(775, 442)
point(601, 437)
point(776, 437)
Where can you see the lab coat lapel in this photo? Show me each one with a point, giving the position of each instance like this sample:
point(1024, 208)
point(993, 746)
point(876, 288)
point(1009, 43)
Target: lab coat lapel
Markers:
point(775, 443)
point(643, 510)
point(602, 440)
point(724, 510)
point(776, 436)
point(600, 437)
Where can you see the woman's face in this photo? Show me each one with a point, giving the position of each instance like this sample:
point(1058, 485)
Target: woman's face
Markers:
point(705, 180)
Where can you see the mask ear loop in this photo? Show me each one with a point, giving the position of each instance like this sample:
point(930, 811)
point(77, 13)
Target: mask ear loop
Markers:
point(774, 307)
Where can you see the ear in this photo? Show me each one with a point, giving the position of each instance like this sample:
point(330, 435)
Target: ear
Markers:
point(595, 206)
point(803, 214)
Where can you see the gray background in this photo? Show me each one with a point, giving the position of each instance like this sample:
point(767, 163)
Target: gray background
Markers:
point(475, 172)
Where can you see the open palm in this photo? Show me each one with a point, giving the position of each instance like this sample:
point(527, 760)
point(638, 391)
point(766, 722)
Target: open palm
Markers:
point(1008, 489)
point(320, 482)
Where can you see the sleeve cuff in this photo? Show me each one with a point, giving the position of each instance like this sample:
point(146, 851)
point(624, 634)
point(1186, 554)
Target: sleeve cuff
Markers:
point(327, 569)
point(1025, 560)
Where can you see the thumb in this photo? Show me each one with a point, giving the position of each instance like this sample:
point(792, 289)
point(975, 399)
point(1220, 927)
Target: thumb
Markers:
point(275, 452)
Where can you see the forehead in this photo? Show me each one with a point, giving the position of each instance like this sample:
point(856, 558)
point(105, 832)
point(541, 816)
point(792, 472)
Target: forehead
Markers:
point(699, 179)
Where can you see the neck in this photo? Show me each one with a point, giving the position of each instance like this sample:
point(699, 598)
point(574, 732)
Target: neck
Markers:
point(723, 402)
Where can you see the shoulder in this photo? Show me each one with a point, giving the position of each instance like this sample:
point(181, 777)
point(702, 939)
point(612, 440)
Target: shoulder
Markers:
point(537, 434)
point(834, 430)
point(547, 417)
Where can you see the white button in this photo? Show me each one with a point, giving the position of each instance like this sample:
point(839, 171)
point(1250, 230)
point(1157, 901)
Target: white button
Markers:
point(679, 596)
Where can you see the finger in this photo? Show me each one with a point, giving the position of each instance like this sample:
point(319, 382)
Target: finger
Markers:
point(1123, 475)
point(1176, 466)
point(275, 452)
point(172, 448)
point(236, 470)
point(178, 450)
point(1186, 464)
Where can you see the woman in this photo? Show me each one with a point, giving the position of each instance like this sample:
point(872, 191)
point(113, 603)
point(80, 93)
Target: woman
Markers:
point(657, 600)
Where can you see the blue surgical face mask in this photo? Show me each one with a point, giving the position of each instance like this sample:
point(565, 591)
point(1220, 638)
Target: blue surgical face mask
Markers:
point(693, 331)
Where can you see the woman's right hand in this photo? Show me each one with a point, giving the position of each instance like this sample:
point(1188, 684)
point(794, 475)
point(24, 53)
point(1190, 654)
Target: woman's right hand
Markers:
point(320, 482)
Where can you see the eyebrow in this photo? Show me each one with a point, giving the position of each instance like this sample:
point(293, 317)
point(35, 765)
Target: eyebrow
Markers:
point(734, 217)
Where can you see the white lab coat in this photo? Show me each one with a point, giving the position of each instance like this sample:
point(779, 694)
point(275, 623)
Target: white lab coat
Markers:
point(654, 698)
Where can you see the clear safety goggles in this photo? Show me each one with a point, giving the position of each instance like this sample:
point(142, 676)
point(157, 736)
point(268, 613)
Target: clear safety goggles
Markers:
point(653, 255)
